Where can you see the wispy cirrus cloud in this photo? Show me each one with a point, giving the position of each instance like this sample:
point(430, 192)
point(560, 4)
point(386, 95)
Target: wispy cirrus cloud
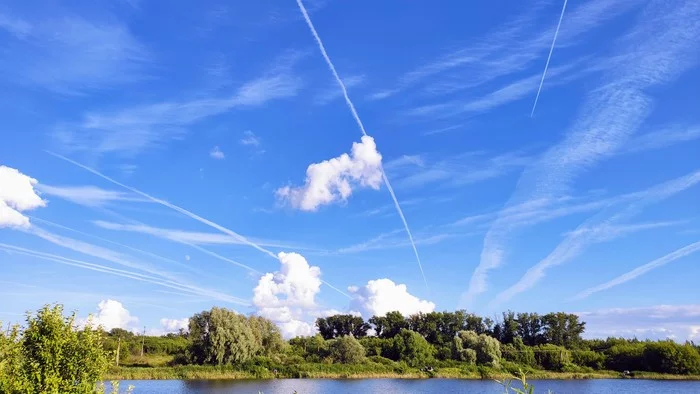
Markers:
point(414, 171)
point(195, 237)
point(92, 196)
point(332, 94)
point(603, 227)
point(77, 54)
point(641, 270)
point(656, 52)
point(134, 129)
point(664, 137)
point(508, 49)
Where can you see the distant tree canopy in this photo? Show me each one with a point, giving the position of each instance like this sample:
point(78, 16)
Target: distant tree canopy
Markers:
point(51, 355)
point(337, 326)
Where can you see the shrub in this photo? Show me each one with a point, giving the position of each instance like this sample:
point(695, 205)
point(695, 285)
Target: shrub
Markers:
point(346, 350)
point(670, 357)
point(487, 349)
point(552, 357)
point(413, 349)
point(588, 358)
point(625, 357)
point(519, 353)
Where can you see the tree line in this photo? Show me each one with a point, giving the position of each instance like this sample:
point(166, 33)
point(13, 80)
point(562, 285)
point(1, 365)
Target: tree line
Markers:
point(52, 354)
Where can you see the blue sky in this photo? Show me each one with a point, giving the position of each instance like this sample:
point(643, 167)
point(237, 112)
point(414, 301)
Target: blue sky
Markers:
point(158, 161)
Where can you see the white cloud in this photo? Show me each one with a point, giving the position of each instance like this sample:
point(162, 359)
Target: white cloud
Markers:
point(16, 196)
point(187, 257)
point(380, 296)
point(333, 180)
point(286, 297)
point(216, 153)
point(135, 129)
point(111, 314)
point(655, 53)
point(92, 196)
point(677, 322)
point(603, 227)
point(174, 325)
point(194, 237)
point(249, 138)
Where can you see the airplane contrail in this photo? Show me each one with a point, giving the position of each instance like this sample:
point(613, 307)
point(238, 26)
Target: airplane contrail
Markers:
point(546, 66)
point(187, 213)
point(362, 128)
point(641, 270)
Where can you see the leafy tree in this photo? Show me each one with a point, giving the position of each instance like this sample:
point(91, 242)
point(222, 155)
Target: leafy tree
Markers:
point(313, 349)
point(670, 357)
point(375, 346)
point(388, 326)
point(563, 329)
point(267, 335)
point(625, 356)
point(412, 348)
point(341, 325)
point(588, 358)
point(507, 330)
point(221, 336)
point(51, 355)
point(346, 350)
point(530, 328)
point(488, 349)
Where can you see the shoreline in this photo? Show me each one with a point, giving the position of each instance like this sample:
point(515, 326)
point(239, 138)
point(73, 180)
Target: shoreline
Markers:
point(228, 373)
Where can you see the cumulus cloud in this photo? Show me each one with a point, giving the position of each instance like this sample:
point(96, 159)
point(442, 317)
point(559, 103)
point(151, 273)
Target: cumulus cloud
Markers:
point(217, 153)
point(287, 296)
point(380, 296)
point(16, 196)
point(111, 314)
point(174, 325)
point(249, 138)
point(333, 180)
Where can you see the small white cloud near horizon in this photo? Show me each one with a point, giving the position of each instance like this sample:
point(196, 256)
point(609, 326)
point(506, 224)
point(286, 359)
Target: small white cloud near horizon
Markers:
point(380, 296)
point(217, 153)
point(286, 296)
point(111, 314)
point(17, 195)
point(333, 180)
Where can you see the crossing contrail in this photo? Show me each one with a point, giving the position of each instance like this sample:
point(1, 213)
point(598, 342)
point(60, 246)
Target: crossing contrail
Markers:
point(189, 214)
point(362, 128)
point(551, 49)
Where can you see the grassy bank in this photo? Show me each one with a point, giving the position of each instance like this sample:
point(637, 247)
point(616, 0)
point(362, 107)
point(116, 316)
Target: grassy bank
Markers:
point(357, 371)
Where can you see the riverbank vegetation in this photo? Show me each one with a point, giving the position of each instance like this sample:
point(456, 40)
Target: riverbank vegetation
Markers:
point(51, 352)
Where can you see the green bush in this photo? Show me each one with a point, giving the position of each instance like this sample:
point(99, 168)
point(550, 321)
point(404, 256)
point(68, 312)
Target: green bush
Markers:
point(519, 353)
point(413, 349)
point(670, 357)
point(625, 357)
point(552, 357)
point(588, 358)
point(346, 350)
point(51, 355)
point(486, 348)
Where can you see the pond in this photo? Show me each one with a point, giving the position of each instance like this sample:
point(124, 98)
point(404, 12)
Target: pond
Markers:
point(426, 386)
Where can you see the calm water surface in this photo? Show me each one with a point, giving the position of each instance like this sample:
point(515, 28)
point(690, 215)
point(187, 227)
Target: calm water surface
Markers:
point(383, 386)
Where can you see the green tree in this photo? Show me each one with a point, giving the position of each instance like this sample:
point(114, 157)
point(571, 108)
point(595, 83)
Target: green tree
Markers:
point(221, 336)
point(519, 353)
point(671, 357)
point(488, 349)
point(341, 325)
point(267, 335)
point(530, 328)
point(563, 329)
point(346, 350)
point(388, 326)
point(51, 355)
point(412, 348)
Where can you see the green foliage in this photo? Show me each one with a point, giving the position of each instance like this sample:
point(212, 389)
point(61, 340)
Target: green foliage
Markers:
point(552, 357)
point(346, 350)
point(563, 329)
point(341, 325)
point(51, 355)
point(588, 358)
point(413, 349)
point(388, 326)
point(488, 349)
point(626, 356)
point(519, 353)
point(670, 357)
point(221, 336)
